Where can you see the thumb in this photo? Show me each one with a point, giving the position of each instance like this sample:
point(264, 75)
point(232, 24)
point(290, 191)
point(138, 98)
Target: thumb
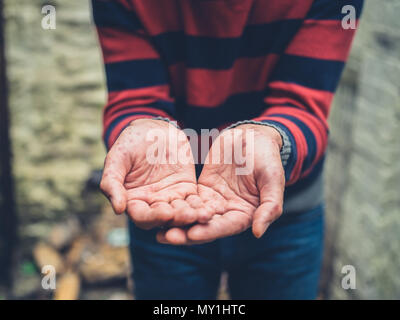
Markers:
point(265, 214)
point(271, 200)
point(115, 192)
point(115, 170)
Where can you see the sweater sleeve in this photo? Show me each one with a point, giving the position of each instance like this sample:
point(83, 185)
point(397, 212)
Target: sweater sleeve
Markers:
point(301, 89)
point(137, 79)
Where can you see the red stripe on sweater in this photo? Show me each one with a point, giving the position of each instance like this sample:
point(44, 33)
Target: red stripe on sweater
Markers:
point(270, 11)
point(155, 113)
point(121, 46)
point(215, 18)
point(118, 128)
point(322, 39)
point(137, 97)
point(159, 16)
point(224, 18)
point(316, 101)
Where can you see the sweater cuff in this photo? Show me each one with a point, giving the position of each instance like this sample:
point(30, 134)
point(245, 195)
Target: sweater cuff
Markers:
point(173, 122)
point(286, 144)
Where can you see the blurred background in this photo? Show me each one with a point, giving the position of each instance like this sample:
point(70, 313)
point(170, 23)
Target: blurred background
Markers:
point(51, 211)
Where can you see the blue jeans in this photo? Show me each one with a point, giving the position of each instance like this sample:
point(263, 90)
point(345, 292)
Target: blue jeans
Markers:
point(283, 264)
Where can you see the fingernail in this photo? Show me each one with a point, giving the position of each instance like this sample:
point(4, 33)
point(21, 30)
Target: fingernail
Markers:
point(161, 238)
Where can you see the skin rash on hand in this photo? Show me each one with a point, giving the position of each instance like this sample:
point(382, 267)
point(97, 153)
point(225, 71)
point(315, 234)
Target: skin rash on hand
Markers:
point(220, 203)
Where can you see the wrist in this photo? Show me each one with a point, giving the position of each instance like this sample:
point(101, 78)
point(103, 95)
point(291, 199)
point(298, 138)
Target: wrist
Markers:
point(270, 132)
point(153, 122)
point(273, 134)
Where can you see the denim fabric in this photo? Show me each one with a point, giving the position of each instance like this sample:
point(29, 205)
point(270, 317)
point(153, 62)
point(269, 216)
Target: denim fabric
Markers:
point(284, 264)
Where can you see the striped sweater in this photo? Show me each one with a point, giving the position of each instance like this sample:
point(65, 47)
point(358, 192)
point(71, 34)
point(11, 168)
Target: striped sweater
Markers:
point(210, 63)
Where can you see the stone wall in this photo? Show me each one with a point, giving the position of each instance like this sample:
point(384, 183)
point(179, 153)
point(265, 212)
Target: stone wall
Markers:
point(363, 168)
point(56, 96)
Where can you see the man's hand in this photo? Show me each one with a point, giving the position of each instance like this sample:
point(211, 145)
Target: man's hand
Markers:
point(238, 200)
point(149, 173)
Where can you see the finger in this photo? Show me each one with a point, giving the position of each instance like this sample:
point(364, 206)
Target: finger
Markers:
point(161, 192)
point(116, 167)
point(213, 201)
point(174, 236)
point(265, 214)
point(194, 201)
point(141, 214)
point(220, 226)
point(183, 213)
point(160, 236)
point(204, 214)
point(271, 202)
point(116, 194)
point(144, 193)
point(162, 212)
point(216, 207)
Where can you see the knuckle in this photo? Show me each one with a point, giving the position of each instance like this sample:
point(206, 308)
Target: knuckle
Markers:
point(166, 216)
point(184, 215)
point(276, 209)
point(244, 225)
point(103, 185)
point(275, 171)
